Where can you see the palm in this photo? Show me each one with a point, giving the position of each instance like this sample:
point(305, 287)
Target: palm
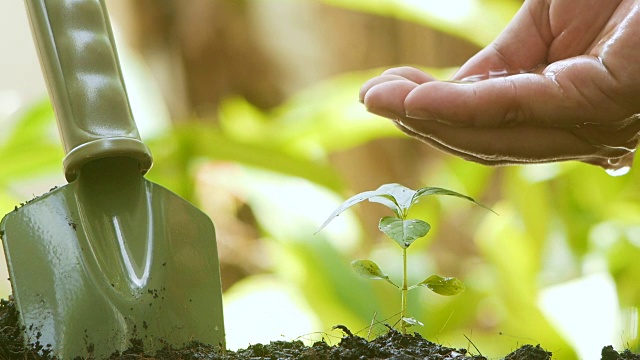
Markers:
point(572, 90)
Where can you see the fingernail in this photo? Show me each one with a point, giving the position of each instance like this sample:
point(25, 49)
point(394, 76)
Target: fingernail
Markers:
point(383, 113)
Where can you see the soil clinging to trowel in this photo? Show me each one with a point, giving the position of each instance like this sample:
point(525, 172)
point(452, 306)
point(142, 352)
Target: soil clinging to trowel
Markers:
point(390, 345)
point(11, 337)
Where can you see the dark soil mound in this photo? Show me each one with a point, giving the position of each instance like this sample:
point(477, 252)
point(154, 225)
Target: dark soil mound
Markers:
point(608, 353)
point(529, 352)
point(391, 345)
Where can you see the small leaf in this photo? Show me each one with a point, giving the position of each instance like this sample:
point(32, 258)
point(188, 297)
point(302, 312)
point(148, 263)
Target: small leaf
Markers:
point(395, 197)
point(347, 204)
point(370, 270)
point(389, 202)
point(425, 191)
point(444, 286)
point(402, 197)
point(404, 232)
point(411, 322)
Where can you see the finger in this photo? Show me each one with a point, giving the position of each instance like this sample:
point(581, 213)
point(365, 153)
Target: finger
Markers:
point(529, 26)
point(377, 81)
point(399, 73)
point(387, 97)
point(520, 144)
point(542, 32)
point(410, 73)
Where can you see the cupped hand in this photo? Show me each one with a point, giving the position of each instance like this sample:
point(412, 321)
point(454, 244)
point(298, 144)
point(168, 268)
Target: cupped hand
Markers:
point(562, 82)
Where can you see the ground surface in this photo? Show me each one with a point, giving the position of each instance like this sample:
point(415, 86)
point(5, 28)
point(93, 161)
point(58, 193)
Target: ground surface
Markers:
point(391, 345)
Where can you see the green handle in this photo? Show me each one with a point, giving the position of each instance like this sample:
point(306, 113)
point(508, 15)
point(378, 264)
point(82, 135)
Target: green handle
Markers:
point(79, 58)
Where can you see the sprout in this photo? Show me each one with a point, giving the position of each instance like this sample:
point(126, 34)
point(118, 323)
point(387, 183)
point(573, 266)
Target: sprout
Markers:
point(404, 232)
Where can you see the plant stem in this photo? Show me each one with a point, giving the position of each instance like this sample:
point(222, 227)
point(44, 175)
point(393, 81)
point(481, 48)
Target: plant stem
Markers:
point(405, 289)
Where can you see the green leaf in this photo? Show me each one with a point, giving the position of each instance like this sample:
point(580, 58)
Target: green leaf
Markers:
point(387, 201)
point(411, 322)
point(426, 191)
point(347, 204)
point(396, 197)
point(304, 125)
point(404, 232)
point(370, 270)
point(399, 195)
point(187, 143)
point(387, 195)
point(444, 286)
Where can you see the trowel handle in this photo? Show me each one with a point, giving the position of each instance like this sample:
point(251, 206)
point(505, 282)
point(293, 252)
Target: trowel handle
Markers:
point(79, 58)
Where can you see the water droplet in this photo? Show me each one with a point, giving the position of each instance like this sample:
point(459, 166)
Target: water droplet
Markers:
point(493, 74)
point(620, 167)
point(619, 172)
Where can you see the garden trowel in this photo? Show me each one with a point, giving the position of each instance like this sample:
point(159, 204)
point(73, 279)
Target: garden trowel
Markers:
point(110, 258)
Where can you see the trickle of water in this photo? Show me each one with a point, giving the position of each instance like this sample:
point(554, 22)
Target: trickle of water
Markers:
point(493, 74)
point(616, 168)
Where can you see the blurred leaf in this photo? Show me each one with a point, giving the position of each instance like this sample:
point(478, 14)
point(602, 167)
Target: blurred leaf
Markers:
point(511, 250)
point(403, 232)
point(440, 285)
point(33, 126)
point(474, 179)
point(315, 263)
point(623, 262)
point(327, 117)
point(370, 270)
point(244, 122)
point(32, 147)
point(338, 122)
point(478, 21)
point(534, 206)
point(192, 141)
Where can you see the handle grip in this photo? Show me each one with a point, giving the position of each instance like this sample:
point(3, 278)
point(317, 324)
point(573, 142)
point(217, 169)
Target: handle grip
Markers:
point(79, 58)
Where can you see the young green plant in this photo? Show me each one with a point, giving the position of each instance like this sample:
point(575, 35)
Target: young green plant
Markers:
point(404, 232)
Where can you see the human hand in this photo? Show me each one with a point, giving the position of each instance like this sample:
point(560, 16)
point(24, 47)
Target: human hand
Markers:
point(562, 82)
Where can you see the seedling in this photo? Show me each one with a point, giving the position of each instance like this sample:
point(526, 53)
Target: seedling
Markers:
point(404, 232)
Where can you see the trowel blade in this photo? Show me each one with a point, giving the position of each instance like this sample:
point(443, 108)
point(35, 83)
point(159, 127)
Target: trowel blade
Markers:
point(87, 280)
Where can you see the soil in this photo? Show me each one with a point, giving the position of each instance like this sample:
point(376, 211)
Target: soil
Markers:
point(391, 345)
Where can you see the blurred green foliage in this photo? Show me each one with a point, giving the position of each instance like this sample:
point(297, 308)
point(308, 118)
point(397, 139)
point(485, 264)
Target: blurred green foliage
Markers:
point(557, 222)
point(478, 21)
point(29, 149)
